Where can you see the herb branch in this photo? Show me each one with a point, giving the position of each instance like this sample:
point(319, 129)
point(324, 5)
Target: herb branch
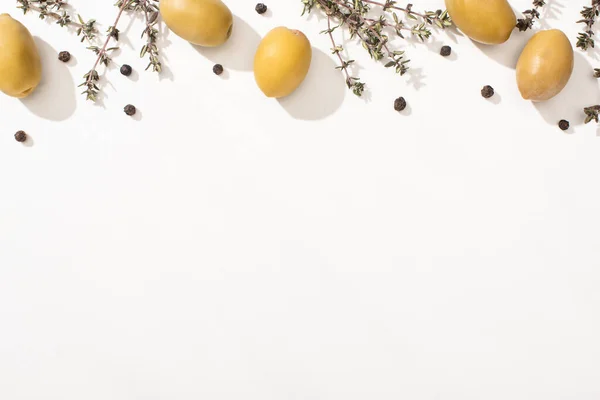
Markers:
point(150, 12)
point(353, 83)
point(530, 16)
point(352, 15)
point(92, 77)
point(55, 9)
point(585, 39)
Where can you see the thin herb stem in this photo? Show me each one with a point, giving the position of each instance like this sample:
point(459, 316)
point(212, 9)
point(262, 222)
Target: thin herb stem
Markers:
point(92, 77)
point(337, 53)
point(585, 39)
point(54, 15)
point(390, 5)
point(87, 30)
point(530, 15)
point(382, 40)
point(102, 52)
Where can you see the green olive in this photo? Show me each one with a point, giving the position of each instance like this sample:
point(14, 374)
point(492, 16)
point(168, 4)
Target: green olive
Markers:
point(201, 22)
point(20, 64)
point(484, 21)
point(545, 65)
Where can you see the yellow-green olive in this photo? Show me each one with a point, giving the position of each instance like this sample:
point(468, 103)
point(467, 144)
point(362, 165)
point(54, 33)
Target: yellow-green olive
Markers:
point(282, 61)
point(201, 22)
point(20, 64)
point(484, 21)
point(545, 65)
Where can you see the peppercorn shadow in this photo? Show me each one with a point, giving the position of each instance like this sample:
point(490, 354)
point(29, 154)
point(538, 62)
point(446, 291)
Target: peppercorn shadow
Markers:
point(238, 52)
point(138, 115)
point(29, 142)
point(55, 97)
point(495, 99)
point(321, 93)
point(582, 91)
point(406, 111)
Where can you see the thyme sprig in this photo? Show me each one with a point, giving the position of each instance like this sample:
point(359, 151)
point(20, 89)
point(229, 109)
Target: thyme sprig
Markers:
point(585, 39)
point(440, 19)
point(530, 16)
point(91, 78)
point(150, 11)
point(55, 9)
point(352, 82)
point(353, 15)
point(592, 113)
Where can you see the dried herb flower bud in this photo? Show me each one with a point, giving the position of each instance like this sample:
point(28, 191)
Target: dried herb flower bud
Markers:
point(218, 69)
point(563, 124)
point(64, 56)
point(129, 109)
point(126, 70)
point(399, 104)
point(446, 51)
point(20, 136)
point(261, 8)
point(487, 91)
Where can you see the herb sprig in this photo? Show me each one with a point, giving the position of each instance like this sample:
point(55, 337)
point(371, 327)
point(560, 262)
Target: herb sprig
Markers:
point(150, 12)
point(592, 113)
point(353, 15)
point(91, 78)
point(55, 9)
point(585, 39)
point(530, 16)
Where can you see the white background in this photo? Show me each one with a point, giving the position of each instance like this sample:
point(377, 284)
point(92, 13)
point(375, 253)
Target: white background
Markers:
point(221, 245)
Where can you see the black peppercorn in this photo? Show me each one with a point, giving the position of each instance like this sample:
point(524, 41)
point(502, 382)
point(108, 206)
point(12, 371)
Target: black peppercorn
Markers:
point(487, 91)
point(129, 109)
point(261, 8)
point(218, 69)
point(64, 56)
point(445, 51)
point(20, 136)
point(399, 104)
point(126, 70)
point(563, 124)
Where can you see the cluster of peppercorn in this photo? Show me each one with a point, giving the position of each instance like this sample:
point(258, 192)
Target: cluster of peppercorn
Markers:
point(125, 70)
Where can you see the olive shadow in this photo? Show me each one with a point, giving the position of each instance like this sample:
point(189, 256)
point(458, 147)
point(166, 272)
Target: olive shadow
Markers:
point(581, 91)
point(508, 53)
point(55, 97)
point(321, 93)
point(237, 52)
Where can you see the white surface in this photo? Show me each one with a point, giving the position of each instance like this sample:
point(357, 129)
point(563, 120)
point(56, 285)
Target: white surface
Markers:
point(227, 246)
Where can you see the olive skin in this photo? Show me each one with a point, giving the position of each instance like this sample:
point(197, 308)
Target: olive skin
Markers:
point(282, 61)
point(207, 23)
point(484, 21)
point(545, 65)
point(20, 64)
